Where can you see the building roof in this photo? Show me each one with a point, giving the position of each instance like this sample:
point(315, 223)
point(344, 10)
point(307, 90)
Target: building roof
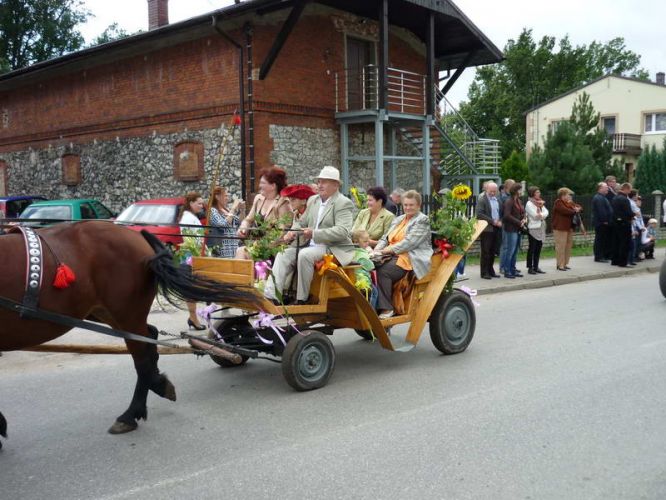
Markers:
point(580, 87)
point(459, 36)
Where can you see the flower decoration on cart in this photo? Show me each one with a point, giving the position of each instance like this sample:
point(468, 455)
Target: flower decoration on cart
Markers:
point(452, 228)
point(359, 197)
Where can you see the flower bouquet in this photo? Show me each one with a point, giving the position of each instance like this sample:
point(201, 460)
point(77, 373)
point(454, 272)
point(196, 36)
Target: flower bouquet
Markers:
point(451, 227)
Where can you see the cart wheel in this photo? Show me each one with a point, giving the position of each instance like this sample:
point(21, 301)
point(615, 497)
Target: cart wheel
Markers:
point(229, 326)
point(365, 334)
point(662, 278)
point(308, 360)
point(452, 322)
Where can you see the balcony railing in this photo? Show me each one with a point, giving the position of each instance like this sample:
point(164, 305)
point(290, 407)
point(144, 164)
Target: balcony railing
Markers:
point(626, 143)
point(358, 90)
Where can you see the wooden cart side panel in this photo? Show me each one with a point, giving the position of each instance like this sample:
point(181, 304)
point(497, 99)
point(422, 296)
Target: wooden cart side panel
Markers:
point(365, 307)
point(435, 287)
point(235, 271)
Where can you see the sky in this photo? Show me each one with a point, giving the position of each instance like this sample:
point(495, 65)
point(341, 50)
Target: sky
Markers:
point(640, 23)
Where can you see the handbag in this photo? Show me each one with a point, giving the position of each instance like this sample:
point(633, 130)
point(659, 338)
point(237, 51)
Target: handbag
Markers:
point(380, 259)
point(576, 221)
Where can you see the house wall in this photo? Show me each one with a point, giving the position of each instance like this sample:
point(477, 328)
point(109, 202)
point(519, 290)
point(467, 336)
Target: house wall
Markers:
point(125, 119)
point(625, 99)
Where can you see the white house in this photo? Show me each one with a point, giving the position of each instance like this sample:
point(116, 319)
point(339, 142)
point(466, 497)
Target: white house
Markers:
point(633, 112)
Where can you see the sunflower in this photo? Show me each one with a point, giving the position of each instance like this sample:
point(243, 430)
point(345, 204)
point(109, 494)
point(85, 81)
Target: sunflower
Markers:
point(461, 192)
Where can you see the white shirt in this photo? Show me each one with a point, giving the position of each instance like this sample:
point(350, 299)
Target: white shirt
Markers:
point(320, 214)
point(189, 218)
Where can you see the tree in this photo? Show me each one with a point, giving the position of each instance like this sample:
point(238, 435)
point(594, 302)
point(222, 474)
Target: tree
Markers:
point(514, 167)
point(564, 161)
point(533, 73)
point(37, 30)
point(651, 170)
point(111, 33)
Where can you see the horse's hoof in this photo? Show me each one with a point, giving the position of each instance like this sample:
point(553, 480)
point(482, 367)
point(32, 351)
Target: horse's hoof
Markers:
point(170, 391)
point(121, 427)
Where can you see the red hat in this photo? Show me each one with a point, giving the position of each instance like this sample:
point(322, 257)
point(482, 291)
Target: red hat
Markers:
point(299, 191)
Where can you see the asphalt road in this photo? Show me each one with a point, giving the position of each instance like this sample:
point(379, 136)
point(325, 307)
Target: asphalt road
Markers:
point(560, 395)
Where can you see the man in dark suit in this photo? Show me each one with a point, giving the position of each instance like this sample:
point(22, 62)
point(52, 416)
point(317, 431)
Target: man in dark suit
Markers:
point(611, 182)
point(622, 219)
point(488, 209)
point(602, 215)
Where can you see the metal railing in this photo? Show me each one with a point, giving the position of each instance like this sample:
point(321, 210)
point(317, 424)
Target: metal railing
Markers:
point(358, 90)
point(623, 143)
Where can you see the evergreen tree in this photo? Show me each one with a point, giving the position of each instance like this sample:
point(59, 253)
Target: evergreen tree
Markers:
point(651, 170)
point(514, 167)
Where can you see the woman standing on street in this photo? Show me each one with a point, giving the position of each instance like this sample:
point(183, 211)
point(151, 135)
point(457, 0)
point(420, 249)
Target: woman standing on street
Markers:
point(536, 228)
point(225, 222)
point(192, 244)
point(564, 210)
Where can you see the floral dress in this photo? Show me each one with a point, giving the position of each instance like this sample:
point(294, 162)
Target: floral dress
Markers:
point(222, 236)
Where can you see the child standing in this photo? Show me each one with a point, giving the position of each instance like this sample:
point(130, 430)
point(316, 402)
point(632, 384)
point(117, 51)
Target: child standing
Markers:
point(361, 239)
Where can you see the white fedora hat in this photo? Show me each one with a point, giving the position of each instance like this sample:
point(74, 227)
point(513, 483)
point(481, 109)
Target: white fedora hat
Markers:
point(329, 172)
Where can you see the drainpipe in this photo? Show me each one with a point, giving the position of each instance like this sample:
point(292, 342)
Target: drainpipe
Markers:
point(250, 101)
point(241, 90)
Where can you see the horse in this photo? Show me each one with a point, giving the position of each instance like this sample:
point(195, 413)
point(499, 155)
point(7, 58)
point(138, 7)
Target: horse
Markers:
point(117, 274)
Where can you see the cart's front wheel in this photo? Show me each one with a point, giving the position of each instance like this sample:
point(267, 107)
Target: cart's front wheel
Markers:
point(231, 329)
point(308, 360)
point(452, 322)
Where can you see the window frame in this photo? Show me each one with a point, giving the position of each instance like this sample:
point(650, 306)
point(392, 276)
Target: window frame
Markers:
point(653, 114)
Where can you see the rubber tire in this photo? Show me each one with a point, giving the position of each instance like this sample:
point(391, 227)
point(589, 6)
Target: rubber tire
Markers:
point(662, 278)
point(458, 308)
point(309, 346)
point(365, 334)
point(225, 363)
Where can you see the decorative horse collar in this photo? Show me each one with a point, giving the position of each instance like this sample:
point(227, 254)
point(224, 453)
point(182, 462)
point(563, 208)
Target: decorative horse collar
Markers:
point(35, 267)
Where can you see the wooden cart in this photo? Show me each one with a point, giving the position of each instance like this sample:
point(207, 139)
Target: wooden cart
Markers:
point(300, 336)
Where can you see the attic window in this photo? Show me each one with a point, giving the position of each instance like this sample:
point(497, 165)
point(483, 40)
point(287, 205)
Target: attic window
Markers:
point(188, 162)
point(5, 118)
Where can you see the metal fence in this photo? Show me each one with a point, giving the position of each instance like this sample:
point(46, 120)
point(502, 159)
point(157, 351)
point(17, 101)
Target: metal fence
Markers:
point(430, 204)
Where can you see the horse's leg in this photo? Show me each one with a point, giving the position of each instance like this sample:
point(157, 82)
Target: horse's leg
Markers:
point(3, 428)
point(145, 358)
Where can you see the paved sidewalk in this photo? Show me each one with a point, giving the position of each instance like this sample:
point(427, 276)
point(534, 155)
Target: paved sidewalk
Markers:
point(582, 269)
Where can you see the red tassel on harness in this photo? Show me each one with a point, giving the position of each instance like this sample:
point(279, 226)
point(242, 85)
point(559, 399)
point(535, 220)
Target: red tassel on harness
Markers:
point(64, 276)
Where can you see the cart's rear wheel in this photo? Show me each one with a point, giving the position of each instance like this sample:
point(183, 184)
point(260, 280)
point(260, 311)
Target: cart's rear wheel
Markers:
point(662, 278)
point(365, 334)
point(231, 328)
point(452, 322)
point(308, 360)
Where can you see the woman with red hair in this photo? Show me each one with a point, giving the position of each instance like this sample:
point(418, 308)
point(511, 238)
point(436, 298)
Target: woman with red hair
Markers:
point(268, 204)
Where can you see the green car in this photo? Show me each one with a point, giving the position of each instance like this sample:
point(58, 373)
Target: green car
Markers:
point(67, 210)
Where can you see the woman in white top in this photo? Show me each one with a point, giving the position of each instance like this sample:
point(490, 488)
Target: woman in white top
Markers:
point(192, 243)
point(536, 228)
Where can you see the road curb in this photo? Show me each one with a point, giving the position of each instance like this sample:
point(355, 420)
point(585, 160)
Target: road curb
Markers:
point(567, 280)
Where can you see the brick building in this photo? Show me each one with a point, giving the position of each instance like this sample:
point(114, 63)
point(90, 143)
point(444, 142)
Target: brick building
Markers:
point(343, 82)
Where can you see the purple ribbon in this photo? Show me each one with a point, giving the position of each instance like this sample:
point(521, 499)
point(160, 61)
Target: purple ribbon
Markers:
point(471, 293)
point(266, 320)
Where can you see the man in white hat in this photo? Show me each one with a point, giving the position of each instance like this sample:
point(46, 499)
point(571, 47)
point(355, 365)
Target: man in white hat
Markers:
point(327, 223)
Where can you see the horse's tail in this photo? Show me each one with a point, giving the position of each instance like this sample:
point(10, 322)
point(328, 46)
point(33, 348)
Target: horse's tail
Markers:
point(176, 283)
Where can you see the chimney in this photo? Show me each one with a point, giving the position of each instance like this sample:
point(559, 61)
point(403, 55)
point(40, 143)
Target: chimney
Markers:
point(158, 13)
point(660, 78)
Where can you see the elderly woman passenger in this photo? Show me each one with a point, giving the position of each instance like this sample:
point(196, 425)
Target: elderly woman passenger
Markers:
point(408, 244)
point(375, 219)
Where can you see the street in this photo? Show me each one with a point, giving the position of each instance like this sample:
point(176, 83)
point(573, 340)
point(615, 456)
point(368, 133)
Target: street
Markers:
point(560, 395)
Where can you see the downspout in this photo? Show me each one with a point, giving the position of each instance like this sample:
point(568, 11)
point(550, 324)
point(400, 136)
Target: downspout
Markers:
point(250, 101)
point(241, 110)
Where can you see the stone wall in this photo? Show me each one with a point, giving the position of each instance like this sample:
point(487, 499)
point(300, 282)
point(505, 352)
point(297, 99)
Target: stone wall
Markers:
point(303, 151)
point(121, 171)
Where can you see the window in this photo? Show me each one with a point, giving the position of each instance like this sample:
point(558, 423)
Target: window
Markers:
point(87, 212)
point(554, 125)
point(655, 122)
point(102, 211)
point(608, 124)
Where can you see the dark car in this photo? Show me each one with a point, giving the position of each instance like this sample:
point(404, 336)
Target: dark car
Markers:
point(66, 210)
point(12, 206)
point(152, 215)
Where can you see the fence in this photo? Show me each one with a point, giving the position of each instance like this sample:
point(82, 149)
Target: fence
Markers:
point(430, 204)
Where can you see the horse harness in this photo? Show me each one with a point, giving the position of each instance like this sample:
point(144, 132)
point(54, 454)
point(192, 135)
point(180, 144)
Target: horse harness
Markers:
point(34, 267)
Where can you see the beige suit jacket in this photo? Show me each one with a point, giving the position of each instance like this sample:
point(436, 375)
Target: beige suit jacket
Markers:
point(334, 229)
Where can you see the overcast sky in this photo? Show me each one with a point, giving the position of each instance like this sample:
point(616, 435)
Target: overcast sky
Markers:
point(640, 23)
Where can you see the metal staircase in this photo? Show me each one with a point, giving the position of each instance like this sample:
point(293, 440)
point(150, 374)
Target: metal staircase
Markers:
point(457, 153)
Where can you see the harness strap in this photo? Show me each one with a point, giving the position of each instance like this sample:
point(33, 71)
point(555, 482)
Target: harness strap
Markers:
point(34, 268)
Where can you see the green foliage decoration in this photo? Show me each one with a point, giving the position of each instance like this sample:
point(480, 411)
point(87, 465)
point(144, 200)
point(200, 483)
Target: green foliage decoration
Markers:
point(450, 221)
point(265, 239)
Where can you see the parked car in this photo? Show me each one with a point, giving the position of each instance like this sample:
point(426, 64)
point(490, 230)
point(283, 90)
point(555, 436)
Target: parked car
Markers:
point(67, 210)
point(152, 216)
point(12, 206)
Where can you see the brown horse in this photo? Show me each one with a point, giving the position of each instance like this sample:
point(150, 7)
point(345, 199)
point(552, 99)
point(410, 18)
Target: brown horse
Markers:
point(118, 273)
